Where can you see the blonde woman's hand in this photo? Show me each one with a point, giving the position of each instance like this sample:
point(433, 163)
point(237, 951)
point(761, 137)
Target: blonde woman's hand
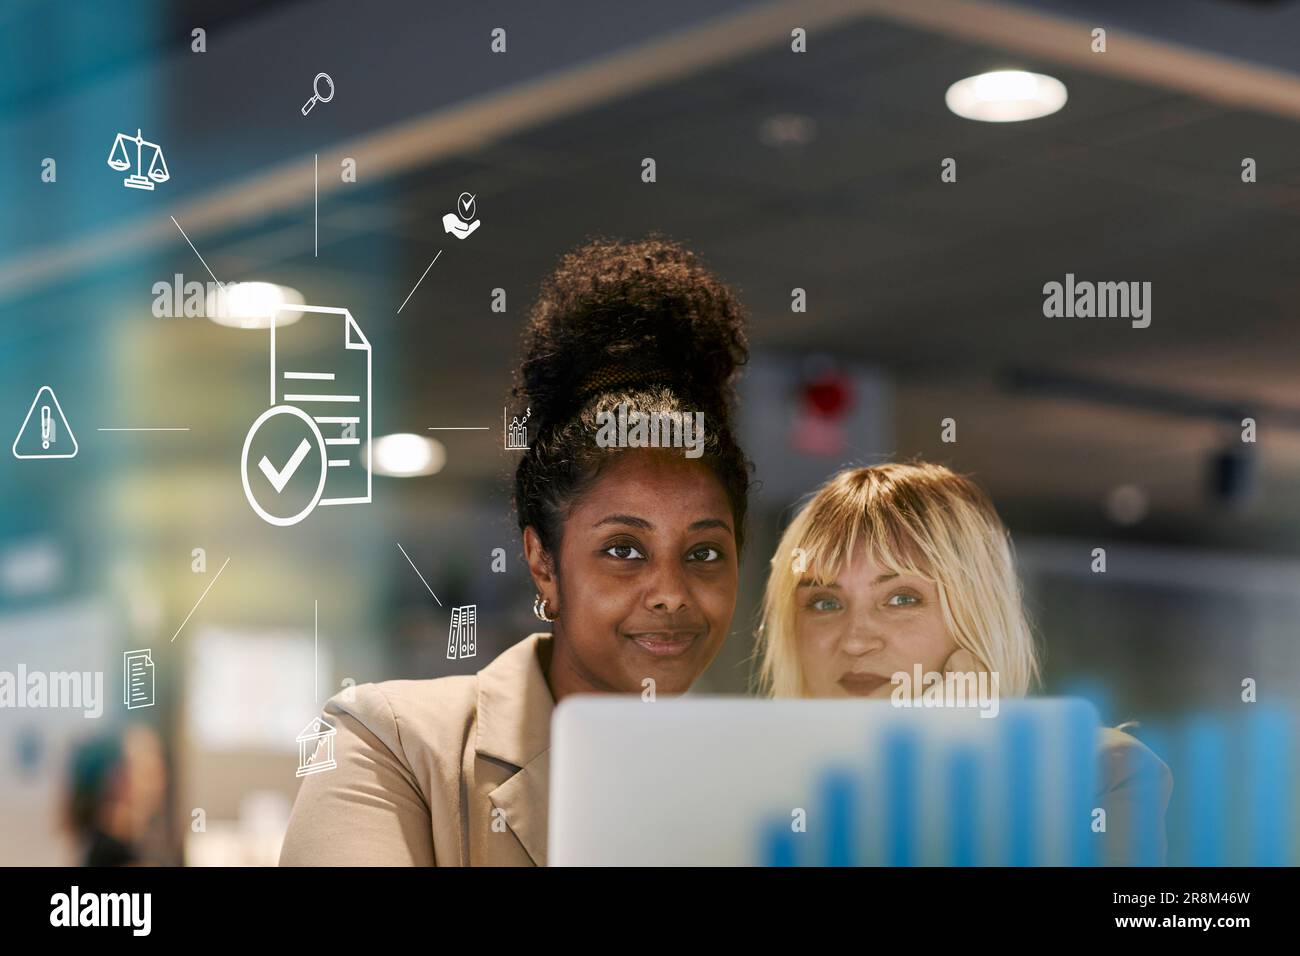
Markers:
point(982, 682)
point(962, 661)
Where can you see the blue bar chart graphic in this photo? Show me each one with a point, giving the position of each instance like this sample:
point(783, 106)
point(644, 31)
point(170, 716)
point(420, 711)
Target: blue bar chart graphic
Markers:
point(1029, 789)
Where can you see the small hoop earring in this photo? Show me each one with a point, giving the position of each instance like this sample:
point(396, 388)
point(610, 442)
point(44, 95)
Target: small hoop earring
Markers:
point(539, 610)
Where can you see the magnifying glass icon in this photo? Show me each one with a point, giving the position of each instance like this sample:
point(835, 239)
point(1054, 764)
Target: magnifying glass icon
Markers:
point(317, 95)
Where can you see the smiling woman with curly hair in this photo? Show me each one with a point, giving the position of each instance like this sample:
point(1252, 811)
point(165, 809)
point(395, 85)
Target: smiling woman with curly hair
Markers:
point(634, 553)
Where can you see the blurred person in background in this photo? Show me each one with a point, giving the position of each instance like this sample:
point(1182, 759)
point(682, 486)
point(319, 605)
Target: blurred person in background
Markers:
point(898, 566)
point(116, 792)
point(634, 552)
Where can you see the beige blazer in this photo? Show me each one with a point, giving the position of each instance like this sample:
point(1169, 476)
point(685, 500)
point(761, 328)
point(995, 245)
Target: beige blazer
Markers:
point(449, 772)
point(455, 772)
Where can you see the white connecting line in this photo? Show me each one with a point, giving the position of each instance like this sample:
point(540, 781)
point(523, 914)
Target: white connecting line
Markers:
point(199, 601)
point(417, 571)
point(196, 252)
point(417, 285)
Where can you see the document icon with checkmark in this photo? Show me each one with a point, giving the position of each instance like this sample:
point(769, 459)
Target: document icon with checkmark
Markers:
point(302, 451)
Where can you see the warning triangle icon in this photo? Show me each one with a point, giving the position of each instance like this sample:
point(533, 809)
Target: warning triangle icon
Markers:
point(45, 432)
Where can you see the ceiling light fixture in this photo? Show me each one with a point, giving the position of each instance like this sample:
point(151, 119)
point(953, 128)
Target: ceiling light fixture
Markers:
point(404, 455)
point(787, 129)
point(250, 305)
point(1006, 96)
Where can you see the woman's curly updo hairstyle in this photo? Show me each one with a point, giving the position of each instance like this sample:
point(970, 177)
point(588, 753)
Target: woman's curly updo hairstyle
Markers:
point(638, 323)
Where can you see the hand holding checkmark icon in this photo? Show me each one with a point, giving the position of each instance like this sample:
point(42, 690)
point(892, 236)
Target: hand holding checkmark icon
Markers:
point(459, 223)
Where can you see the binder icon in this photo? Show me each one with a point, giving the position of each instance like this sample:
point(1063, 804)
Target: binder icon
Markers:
point(461, 637)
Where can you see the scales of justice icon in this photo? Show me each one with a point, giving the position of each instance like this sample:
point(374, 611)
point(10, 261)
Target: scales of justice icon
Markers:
point(119, 160)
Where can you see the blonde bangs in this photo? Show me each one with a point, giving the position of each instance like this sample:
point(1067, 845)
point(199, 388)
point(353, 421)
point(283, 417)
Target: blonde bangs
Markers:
point(914, 519)
point(848, 517)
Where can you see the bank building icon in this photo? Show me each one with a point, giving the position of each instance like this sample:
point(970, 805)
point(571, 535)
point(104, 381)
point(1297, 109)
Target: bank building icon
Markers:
point(316, 748)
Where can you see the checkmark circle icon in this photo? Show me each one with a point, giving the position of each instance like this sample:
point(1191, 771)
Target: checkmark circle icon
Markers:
point(279, 473)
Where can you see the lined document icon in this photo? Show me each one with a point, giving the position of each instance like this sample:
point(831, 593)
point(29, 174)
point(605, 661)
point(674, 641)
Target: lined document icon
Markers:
point(137, 679)
point(322, 365)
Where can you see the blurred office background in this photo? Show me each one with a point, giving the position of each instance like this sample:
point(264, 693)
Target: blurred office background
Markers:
point(817, 171)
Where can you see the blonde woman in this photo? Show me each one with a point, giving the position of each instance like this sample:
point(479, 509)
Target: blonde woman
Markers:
point(907, 567)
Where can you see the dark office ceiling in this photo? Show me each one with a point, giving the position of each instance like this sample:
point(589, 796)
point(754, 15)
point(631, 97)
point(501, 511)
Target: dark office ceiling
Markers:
point(939, 284)
point(89, 40)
